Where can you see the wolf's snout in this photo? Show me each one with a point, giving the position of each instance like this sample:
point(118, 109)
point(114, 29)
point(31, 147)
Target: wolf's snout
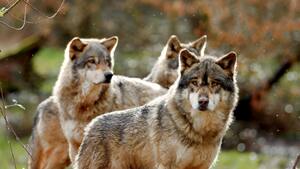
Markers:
point(203, 103)
point(108, 76)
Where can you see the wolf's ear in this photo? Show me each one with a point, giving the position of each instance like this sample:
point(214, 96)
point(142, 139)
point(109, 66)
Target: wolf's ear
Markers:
point(76, 46)
point(200, 44)
point(228, 62)
point(174, 44)
point(187, 59)
point(111, 43)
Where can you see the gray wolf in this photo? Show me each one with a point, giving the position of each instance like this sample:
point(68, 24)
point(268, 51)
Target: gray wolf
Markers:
point(91, 69)
point(164, 71)
point(48, 145)
point(86, 87)
point(180, 130)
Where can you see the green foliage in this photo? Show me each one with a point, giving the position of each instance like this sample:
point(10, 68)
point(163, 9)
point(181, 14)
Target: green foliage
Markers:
point(47, 63)
point(236, 160)
point(48, 60)
point(2, 11)
point(6, 159)
point(249, 160)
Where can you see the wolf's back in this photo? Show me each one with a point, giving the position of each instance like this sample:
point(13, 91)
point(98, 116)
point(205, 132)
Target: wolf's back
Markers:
point(132, 92)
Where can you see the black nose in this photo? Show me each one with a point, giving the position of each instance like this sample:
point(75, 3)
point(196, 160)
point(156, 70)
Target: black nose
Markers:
point(108, 77)
point(203, 103)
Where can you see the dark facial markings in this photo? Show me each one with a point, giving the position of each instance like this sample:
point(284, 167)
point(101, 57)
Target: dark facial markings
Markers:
point(206, 74)
point(108, 61)
point(94, 55)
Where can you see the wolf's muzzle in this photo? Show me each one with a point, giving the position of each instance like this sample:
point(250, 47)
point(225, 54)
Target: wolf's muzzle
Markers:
point(108, 76)
point(203, 103)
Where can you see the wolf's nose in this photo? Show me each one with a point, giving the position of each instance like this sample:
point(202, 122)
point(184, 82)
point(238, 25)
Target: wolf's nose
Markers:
point(108, 77)
point(203, 102)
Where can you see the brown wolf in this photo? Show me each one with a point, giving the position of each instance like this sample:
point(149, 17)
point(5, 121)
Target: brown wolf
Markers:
point(87, 78)
point(164, 71)
point(180, 130)
point(49, 147)
point(49, 144)
point(86, 87)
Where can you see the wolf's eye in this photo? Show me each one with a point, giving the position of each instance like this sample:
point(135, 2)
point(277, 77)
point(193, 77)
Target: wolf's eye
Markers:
point(92, 61)
point(194, 82)
point(213, 84)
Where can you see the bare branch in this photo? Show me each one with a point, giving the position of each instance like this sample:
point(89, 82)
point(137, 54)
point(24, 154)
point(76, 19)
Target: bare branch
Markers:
point(12, 154)
point(4, 11)
point(9, 127)
point(24, 18)
point(40, 12)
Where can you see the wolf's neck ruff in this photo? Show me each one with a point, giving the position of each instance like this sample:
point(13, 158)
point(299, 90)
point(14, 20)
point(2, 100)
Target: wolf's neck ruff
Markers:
point(193, 128)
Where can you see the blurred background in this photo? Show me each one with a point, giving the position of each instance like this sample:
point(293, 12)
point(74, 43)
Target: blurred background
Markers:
point(265, 34)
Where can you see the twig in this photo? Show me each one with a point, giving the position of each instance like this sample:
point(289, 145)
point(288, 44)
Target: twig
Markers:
point(296, 162)
point(40, 12)
point(24, 18)
point(12, 154)
point(4, 10)
point(9, 127)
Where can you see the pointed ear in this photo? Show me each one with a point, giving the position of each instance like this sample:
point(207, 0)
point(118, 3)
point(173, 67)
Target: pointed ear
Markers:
point(187, 59)
point(228, 62)
point(174, 44)
point(111, 43)
point(76, 46)
point(200, 44)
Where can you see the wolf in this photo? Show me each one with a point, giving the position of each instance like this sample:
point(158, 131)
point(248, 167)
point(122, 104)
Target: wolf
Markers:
point(87, 87)
point(182, 129)
point(48, 145)
point(164, 71)
point(87, 82)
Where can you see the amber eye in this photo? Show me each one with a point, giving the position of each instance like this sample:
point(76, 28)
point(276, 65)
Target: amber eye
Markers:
point(214, 84)
point(91, 60)
point(194, 82)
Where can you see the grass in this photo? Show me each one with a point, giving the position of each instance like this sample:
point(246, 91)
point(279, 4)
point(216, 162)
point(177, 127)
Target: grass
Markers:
point(6, 160)
point(236, 160)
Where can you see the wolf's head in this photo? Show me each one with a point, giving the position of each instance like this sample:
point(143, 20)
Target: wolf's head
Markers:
point(164, 71)
point(92, 60)
point(207, 84)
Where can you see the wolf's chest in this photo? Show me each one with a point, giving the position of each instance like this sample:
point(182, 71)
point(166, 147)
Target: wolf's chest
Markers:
point(183, 156)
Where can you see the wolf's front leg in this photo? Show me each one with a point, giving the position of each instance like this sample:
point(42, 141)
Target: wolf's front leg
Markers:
point(73, 150)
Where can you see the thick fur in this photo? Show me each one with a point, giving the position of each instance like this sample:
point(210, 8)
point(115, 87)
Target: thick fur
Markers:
point(82, 90)
point(164, 71)
point(48, 144)
point(172, 131)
